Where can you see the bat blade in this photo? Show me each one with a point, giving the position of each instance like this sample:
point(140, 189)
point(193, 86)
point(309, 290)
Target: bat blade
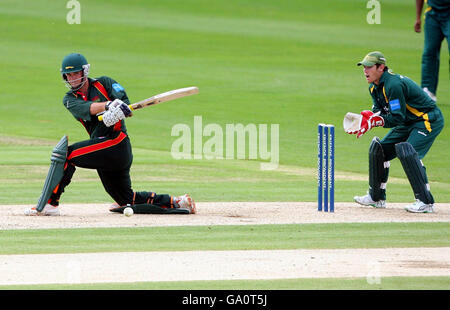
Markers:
point(167, 96)
point(163, 97)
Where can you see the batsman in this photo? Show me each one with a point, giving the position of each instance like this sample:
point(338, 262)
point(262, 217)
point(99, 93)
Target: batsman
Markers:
point(415, 121)
point(108, 149)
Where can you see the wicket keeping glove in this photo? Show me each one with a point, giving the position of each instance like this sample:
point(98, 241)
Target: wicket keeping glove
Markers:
point(369, 120)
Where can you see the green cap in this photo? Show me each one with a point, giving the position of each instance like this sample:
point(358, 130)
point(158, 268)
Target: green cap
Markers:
point(372, 58)
point(73, 62)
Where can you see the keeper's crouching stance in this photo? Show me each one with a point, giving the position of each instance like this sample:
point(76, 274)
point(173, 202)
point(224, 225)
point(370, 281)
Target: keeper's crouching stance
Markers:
point(108, 150)
point(415, 121)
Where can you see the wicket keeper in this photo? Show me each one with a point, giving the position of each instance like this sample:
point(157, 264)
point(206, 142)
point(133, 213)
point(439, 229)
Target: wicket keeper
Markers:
point(415, 121)
point(108, 149)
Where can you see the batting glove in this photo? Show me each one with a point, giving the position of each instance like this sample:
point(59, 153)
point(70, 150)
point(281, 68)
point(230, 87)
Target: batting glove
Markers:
point(125, 109)
point(112, 116)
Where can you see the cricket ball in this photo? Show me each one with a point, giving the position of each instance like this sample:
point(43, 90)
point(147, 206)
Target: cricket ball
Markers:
point(128, 211)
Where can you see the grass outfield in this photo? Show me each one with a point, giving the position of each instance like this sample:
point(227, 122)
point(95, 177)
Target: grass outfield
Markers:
point(386, 283)
point(213, 180)
point(242, 237)
point(261, 237)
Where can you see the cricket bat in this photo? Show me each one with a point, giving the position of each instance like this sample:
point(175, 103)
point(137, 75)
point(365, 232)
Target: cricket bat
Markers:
point(167, 96)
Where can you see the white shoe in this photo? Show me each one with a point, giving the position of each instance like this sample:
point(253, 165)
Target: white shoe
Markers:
point(368, 201)
point(430, 94)
point(48, 210)
point(186, 202)
point(420, 207)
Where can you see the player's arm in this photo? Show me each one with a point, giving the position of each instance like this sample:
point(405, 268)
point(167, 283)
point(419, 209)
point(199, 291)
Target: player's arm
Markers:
point(86, 110)
point(97, 107)
point(419, 7)
point(376, 107)
point(83, 109)
point(79, 108)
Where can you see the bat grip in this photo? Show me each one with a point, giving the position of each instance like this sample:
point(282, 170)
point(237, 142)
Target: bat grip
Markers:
point(100, 117)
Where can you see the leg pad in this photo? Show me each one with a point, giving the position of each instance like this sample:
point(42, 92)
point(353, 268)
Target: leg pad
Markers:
point(378, 171)
point(55, 172)
point(145, 208)
point(415, 171)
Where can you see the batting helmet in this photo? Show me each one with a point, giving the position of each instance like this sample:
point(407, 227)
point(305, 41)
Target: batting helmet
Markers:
point(74, 62)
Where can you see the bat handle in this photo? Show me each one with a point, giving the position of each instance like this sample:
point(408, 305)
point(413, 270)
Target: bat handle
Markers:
point(100, 117)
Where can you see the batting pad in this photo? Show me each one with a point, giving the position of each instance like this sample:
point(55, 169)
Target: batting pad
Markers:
point(378, 171)
point(415, 171)
point(55, 172)
point(145, 208)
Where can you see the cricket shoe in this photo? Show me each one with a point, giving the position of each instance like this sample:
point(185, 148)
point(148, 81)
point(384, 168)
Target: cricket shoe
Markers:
point(186, 202)
point(48, 210)
point(115, 207)
point(368, 201)
point(420, 207)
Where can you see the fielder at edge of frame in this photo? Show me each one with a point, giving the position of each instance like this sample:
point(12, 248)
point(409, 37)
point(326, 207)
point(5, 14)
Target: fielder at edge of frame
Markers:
point(415, 121)
point(108, 149)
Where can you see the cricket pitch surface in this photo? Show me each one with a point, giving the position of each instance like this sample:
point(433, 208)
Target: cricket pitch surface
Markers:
point(204, 265)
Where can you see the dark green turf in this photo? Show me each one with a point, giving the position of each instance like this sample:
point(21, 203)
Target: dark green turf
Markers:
point(245, 237)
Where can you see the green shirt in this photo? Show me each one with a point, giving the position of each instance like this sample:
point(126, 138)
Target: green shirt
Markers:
point(439, 4)
point(400, 100)
point(79, 105)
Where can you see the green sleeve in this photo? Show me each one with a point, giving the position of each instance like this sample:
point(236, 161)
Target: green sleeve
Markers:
point(375, 106)
point(397, 105)
point(79, 108)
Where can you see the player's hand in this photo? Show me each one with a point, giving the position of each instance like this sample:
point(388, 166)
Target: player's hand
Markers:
point(125, 109)
point(119, 103)
point(351, 123)
point(112, 116)
point(417, 25)
point(369, 120)
point(111, 104)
